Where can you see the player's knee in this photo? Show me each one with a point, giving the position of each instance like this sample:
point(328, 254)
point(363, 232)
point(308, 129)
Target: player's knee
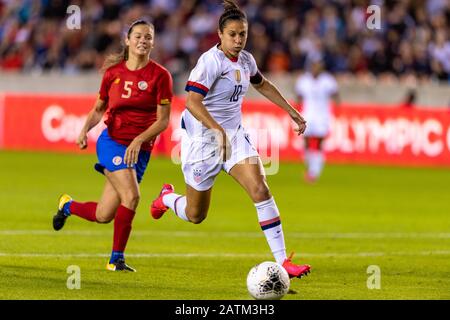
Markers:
point(131, 200)
point(260, 192)
point(197, 219)
point(103, 219)
point(196, 215)
point(104, 216)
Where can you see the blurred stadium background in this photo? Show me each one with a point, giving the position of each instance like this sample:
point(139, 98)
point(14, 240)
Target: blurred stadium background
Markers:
point(411, 49)
point(383, 198)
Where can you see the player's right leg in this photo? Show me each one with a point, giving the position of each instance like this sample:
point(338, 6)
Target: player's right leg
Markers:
point(59, 219)
point(157, 207)
point(192, 207)
point(200, 164)
point(101, 212)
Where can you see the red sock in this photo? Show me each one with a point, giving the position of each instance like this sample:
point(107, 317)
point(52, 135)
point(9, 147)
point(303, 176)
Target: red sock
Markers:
point(84, 210)
point(122, 228)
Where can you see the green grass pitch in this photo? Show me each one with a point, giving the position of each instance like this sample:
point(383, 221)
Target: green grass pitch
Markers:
point(355, 217)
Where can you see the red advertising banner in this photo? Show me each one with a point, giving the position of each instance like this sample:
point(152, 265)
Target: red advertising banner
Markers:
point(360, 134)
point(45, 122)
point(390, 136)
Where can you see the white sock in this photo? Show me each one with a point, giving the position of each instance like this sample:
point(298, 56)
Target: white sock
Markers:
point(269, 220)
point(177, 203)
point(317, 162)
point(307, 160)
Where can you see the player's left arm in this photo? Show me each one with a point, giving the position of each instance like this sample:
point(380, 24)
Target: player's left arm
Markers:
point(271, 92)
point(161, 123)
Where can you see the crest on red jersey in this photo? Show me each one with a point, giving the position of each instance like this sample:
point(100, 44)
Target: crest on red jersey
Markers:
point(142, 85)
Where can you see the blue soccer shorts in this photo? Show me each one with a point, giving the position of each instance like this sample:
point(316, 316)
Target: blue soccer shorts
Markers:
point(110, 155)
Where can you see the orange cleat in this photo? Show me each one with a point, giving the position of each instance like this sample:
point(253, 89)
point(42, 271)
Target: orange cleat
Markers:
point(158, 208)
point(295, 270)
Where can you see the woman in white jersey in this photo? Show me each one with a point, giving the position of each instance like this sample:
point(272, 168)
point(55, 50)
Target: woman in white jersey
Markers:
point(214, 139)
point(315, 91)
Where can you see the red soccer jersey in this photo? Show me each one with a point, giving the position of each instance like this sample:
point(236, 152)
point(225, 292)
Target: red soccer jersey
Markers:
point(132, 98)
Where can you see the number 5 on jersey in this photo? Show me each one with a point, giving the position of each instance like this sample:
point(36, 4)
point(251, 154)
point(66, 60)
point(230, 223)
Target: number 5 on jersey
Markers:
point(127, 87)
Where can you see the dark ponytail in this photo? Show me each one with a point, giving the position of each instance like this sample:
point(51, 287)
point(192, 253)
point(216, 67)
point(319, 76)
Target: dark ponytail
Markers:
point(231, 12)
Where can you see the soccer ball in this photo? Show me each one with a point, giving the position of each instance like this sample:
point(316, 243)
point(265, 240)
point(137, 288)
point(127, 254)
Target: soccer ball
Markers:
point(268, 281)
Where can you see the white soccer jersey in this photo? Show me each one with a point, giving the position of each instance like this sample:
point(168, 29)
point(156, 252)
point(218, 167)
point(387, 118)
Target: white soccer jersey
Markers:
point(316, 93)
point(223, 82)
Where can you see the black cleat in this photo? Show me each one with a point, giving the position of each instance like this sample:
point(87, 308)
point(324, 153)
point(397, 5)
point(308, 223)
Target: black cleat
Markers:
point(59, 219)
point(119, 265)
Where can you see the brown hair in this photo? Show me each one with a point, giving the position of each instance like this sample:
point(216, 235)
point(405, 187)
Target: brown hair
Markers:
point(231, 12)
point(116, 58)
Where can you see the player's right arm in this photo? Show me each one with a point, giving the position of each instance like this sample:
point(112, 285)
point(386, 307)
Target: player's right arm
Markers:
point(97, 112)
point(200, 80)
point(93, 118)
point(194, 104)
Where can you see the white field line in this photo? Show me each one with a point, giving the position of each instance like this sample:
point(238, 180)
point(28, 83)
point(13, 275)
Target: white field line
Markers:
point(230, 234)
point(227, 255)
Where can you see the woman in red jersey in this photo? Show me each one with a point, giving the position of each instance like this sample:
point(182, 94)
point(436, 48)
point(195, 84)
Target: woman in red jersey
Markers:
point(136, 92)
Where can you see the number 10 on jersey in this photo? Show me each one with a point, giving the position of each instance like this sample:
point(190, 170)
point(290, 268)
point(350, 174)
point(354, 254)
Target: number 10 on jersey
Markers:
point(236, 93)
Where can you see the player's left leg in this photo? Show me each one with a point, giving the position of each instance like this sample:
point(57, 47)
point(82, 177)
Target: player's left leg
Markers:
point(318, 158)
point(59, 219)
point(321, 155)
point(126, 185)
point(307, 158)
point(249, 173)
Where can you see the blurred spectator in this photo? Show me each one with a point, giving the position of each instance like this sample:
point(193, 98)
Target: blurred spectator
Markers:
point(413, 41)
point(409, 100)
point(440, 55)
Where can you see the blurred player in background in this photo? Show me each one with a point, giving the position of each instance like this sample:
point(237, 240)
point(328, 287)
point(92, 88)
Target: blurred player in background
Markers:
point(137, 93)
point(409, 100)
point(315, 90)
point(215, 140)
